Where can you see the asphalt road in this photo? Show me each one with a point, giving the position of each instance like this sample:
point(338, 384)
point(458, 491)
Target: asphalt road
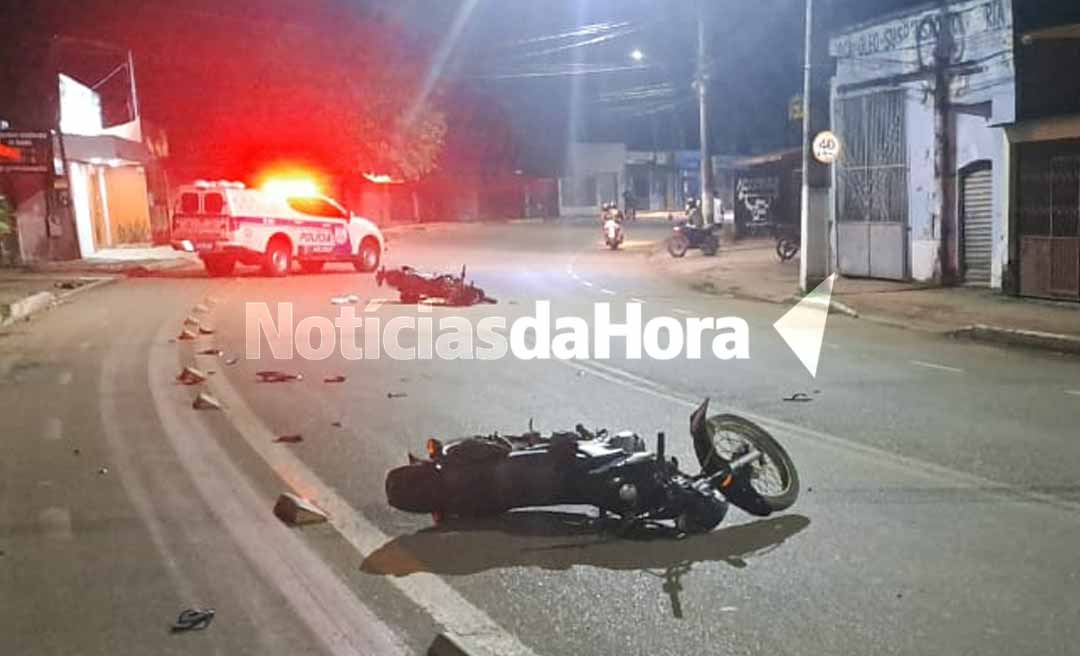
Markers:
point(939, 512)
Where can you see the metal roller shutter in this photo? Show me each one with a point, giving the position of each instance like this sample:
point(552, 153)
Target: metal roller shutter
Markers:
point(978, 226)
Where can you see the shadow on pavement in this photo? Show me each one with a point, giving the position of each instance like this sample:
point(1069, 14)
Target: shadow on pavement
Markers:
point(556, 541)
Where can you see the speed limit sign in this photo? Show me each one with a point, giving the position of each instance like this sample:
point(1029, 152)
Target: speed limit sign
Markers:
point(826, 147)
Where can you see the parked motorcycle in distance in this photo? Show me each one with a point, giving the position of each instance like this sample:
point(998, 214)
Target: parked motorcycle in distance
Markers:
point(741, 464)
point(788, 241)
point(612, 219)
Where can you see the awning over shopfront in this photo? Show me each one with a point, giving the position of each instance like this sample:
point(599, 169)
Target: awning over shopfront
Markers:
point(105, 149)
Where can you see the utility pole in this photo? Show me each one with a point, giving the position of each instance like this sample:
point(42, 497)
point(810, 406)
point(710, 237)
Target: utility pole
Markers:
point(944, 48)
point(814, 261)
point(702, 84)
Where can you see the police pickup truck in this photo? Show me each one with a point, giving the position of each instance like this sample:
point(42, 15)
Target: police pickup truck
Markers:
point(226, 223)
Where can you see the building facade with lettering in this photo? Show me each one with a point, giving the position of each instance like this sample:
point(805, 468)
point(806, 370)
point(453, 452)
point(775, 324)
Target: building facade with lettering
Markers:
point(919, 101)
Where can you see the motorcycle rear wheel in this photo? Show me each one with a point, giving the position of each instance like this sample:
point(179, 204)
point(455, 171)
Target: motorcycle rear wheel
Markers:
point(773, 477)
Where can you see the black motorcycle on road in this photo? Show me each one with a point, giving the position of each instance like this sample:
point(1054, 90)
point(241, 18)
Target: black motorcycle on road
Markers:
point(689, 233)
point(480, 476)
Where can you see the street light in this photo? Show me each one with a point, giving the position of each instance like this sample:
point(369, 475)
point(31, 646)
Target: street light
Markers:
point(637, 55)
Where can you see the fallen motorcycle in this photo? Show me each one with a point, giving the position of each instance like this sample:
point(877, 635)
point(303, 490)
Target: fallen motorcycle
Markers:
point(741, 464)
point(414, 286)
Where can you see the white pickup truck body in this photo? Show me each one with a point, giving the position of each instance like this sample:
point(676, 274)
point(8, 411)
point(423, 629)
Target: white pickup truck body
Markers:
point(226, 223)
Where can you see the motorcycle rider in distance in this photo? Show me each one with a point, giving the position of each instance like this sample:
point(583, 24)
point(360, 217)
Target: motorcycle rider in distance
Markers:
point(629, 205)
point(694, 215)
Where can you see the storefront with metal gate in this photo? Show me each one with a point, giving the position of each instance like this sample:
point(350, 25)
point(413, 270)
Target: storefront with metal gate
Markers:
point(919, 183)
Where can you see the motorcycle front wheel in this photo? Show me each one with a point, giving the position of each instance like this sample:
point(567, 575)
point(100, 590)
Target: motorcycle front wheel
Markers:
point(678, 245)
point(772, 484)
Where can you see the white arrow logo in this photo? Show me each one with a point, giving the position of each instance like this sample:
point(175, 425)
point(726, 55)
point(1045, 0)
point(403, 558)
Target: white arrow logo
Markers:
point(803, 326)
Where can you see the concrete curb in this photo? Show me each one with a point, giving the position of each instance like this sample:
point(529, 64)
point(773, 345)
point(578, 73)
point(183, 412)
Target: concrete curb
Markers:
point(24, 307)
point(34, 303)
point(1056, 342)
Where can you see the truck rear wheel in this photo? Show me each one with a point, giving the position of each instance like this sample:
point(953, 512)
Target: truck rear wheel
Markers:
point(277, 261)
point(219, 265)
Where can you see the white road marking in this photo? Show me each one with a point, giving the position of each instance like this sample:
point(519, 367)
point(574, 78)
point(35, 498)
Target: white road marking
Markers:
point(587, 283)
point(607, 291)
point(932, 472)
point(53, 430)
point(939, 367)
point(64, 378)
point(1073, 392)
point(321, 600)
point(55, 523)
point(427, 590)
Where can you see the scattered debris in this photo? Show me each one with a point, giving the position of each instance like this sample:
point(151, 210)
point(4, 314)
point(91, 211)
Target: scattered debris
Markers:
point(190, 376)
point(809, 488)
point(277, 376)
point(334, 379)
point(298, 511)
point(76, 451)
point(200, 309)
point(340, 300)
point(205, 402)
point(191, 321)
point(186, 335)
point(396, 395)
point(206, 330)
point(336, 424)
point(899, 595)
point(69, 284)
point(798, 397)
point(353, 298)
point(289, 439)
point(232, 361)
point(193, 619)
point(103, 471)
point(212, 351)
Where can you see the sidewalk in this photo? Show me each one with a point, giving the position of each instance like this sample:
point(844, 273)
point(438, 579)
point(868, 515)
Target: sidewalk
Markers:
point(26, 291)
point(129, 260)
point(751, 270)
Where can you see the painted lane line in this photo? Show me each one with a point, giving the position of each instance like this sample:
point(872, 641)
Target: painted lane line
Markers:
point(939, 367)
point(587, 283)
point(607, 291)
point(319, 597)
point(1073, 392)
point(434, 595)
point(932, 472)
point(55, 524)
point(53, 430)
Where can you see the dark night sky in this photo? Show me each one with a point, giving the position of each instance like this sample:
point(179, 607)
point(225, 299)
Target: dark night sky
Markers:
point(503, 45)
